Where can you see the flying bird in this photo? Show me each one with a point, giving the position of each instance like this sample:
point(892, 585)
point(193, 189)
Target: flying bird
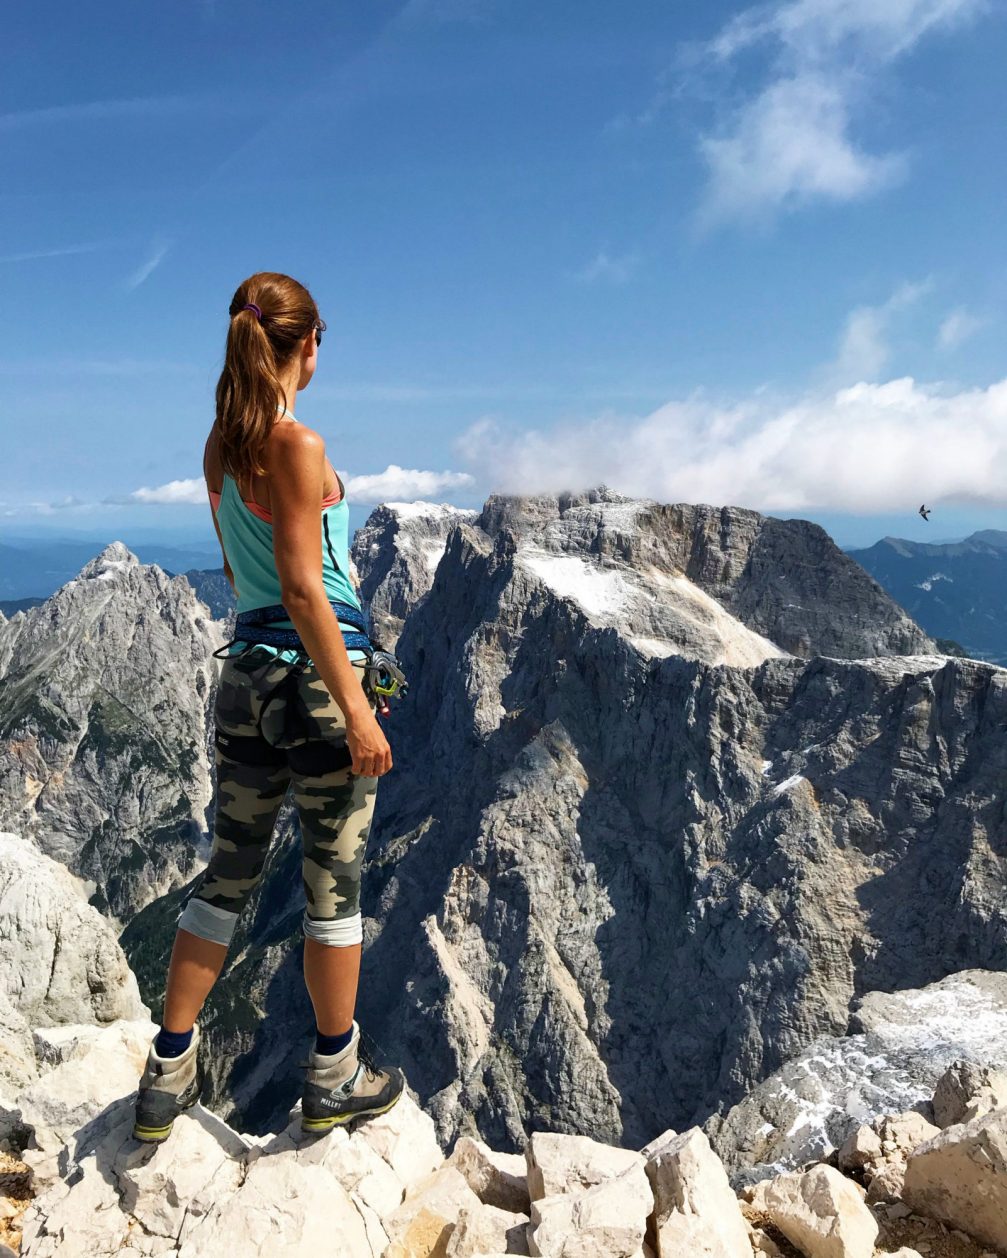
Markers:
point(925, 511)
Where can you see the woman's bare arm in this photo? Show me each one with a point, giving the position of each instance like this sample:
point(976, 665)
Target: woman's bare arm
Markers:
point(296, 482)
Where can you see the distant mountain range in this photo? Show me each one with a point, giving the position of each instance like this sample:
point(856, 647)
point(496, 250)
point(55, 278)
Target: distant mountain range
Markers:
point(955, 590)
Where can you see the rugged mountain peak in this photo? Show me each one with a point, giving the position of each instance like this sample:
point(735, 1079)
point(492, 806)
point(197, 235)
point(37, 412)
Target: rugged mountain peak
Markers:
point(396, 554)
point(115, 558)
point(103, 726)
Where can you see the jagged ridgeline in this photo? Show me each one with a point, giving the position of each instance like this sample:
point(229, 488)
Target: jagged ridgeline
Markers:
point(673, 787)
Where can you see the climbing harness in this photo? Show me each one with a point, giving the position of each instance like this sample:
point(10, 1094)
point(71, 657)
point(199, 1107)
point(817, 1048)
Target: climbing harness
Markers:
point(383, 675)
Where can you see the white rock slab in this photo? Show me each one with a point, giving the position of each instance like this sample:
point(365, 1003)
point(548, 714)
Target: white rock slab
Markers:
point(283, 1207)
point(695, 1209)
point(608, 1220)
point(405, 1138)
point(560, 1163)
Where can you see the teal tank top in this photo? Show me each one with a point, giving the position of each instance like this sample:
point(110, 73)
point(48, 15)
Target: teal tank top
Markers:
point(247, 531)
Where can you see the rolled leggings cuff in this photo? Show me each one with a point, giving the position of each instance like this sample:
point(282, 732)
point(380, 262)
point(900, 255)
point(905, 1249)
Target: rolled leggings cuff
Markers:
point(207, 921)
point(342, 932)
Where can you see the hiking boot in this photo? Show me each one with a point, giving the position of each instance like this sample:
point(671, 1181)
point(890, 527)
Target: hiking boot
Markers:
point(169, 1085)
point(345, 1086)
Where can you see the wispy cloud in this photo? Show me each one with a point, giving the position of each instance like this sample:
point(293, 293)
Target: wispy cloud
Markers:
point(605, 268)
point(101, 111)
point(959, 326)
point(150, 264)
point(864, 350)
point(793, 141)
point(437, 12)
point(94, 367)
point(96, 246)
point(396, 483)
point(872, 447)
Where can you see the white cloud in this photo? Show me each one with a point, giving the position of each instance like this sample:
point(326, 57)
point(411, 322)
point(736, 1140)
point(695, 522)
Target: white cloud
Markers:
point(151, 263)
point(400, 482)
point(864, 350)
point(192, 490)
point(957, 328)
point(790, 146)
point(793, 141)
point(611, 270)
point(872, 447)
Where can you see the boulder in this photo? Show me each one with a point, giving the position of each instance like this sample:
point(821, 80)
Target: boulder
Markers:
point(960, 1178)
point(967, 1089)
point(820, 1212)
point(860, 1150)
point(497, 1179)
point(559, 1163)
point(422, 1225)
point(488, 1229)
point(608, 1220)
point(695, 1209)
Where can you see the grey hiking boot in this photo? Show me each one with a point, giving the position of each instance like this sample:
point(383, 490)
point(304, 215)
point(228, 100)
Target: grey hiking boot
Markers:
point(168, 1086)
point(346, 1086)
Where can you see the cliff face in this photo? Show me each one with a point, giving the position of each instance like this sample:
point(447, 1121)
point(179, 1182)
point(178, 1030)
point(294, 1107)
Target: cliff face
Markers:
point(396, 554)
point(104, 694)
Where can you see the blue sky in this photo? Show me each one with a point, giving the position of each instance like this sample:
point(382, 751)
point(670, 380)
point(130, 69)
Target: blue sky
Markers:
point(746, 255)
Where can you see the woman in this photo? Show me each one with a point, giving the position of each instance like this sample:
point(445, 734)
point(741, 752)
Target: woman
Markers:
point(291, 710)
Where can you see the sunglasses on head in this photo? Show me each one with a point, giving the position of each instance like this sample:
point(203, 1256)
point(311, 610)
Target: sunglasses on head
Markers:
point(319, 328)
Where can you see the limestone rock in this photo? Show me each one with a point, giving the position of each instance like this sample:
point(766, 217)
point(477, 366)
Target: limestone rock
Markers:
point(886, 1183)
point(60, 959)
point(899, 1044)
point(960, 1177)
point(282, 1206)
point(966, 1090)
point(497, 1179)
point(860, 1149)
point(560, 1163)
point(77, 1092)
point(422, 1225)
point(405, 1139)
point(695, 1209)
point(486, 1229)
point(820, 1212)
point(606, 1221)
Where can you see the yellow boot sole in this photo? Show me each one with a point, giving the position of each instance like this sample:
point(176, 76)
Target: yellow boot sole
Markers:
point(326, 1124)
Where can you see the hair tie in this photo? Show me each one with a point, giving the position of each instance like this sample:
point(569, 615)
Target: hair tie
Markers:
point(252, 306)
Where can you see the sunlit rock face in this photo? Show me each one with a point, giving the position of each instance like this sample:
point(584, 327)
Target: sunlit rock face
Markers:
point(396, 554)
point(104, 694)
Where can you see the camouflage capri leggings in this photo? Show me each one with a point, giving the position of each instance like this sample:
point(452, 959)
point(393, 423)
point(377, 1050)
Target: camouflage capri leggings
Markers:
point(276, 726)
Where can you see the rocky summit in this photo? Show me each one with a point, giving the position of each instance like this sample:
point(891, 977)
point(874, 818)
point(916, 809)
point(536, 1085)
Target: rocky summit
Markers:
point(77, 1185)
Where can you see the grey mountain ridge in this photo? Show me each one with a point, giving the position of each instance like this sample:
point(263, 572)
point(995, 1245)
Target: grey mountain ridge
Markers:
point(104, 694)
point(660, 776)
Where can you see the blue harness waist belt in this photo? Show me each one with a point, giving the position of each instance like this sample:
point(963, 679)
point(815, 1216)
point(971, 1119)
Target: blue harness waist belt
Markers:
point(254, 626)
